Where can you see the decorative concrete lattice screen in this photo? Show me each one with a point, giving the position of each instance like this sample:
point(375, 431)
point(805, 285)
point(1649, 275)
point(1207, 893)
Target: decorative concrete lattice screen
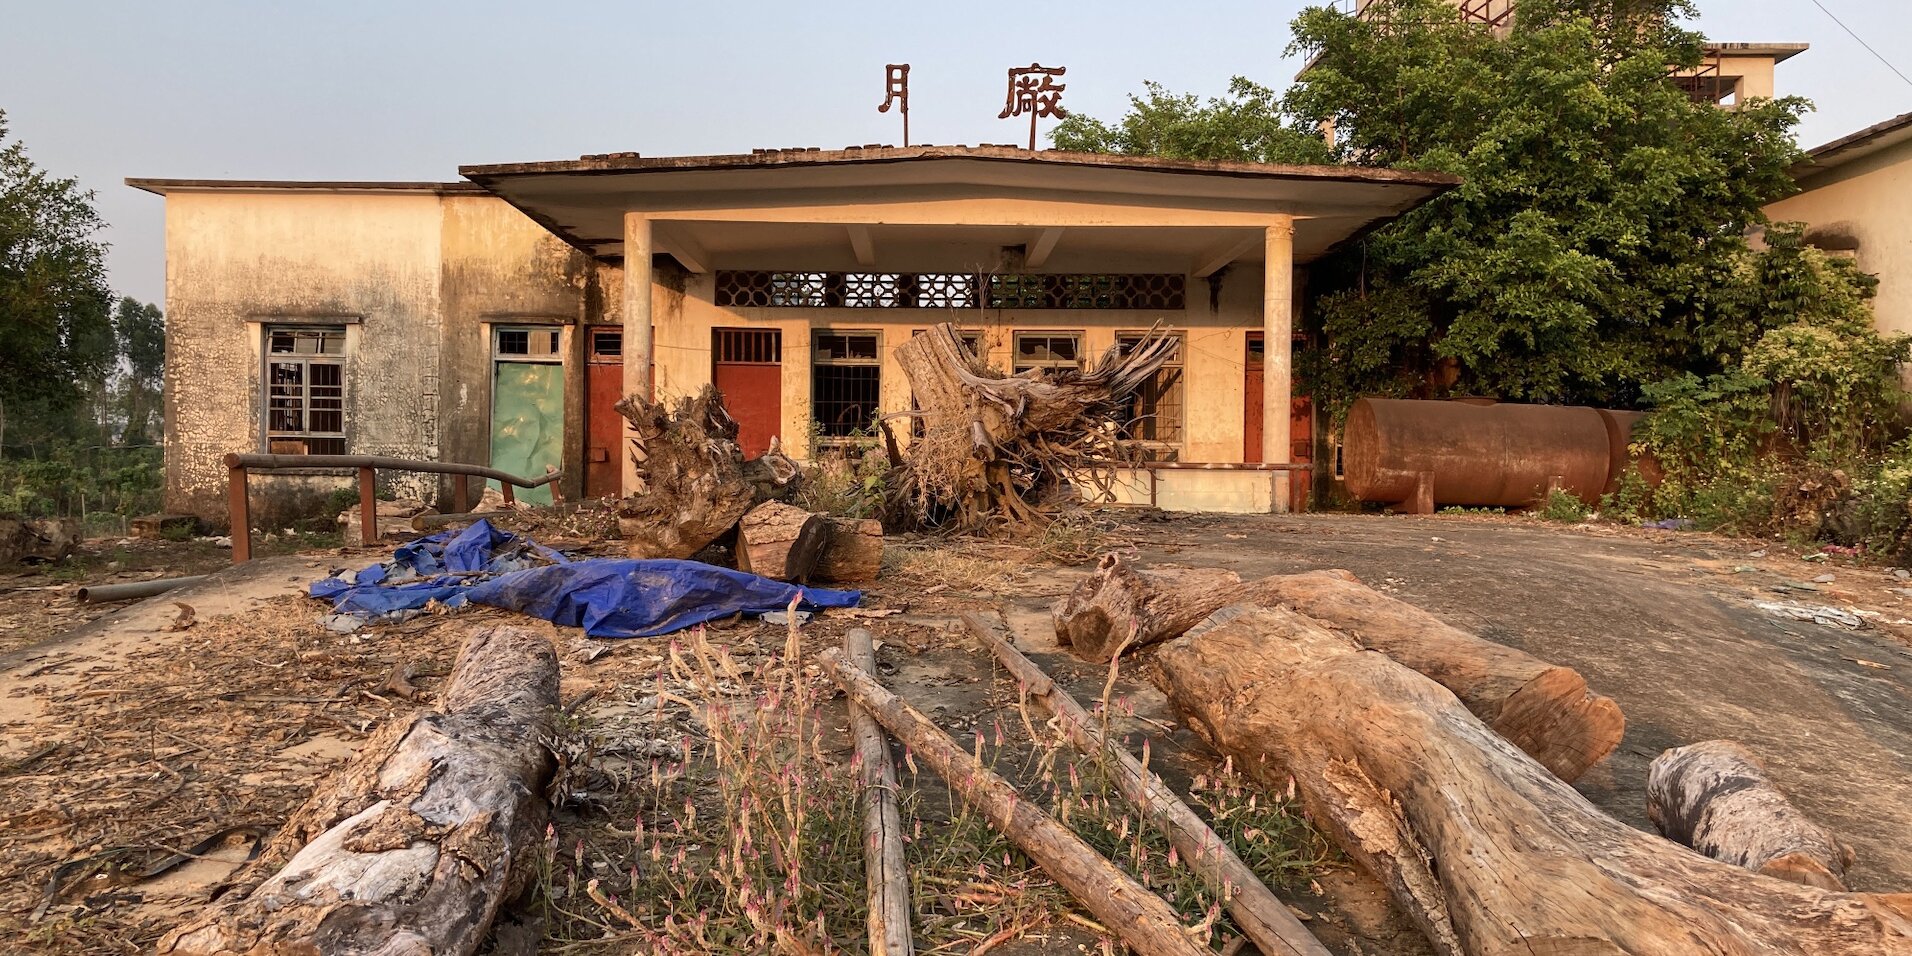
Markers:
point(945, 290)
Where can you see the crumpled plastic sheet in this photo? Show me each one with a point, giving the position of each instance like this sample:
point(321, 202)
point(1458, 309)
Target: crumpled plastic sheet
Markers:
point(607, 597)
point(1823, 614)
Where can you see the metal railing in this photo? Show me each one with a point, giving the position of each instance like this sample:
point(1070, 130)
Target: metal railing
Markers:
point(239, 465)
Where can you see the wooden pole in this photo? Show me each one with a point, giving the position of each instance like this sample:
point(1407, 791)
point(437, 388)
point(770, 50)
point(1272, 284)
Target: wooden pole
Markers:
point(1262, 917)
point(238, 514)
point(883, 867)
point(368, 507)
point(460, 493)
point(1142, 920)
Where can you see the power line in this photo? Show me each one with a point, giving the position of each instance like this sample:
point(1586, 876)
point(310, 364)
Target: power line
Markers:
point(1876, 55)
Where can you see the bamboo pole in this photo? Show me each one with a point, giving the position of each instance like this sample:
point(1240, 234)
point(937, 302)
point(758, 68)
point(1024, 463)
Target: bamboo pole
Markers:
point(889, 893)
point(1143, 921)
point(1263, 918)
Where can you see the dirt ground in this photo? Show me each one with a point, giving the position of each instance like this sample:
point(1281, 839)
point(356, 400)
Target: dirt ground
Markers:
point(168, 746)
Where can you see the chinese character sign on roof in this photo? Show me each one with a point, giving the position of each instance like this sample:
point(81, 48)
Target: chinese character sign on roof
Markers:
point(1033, 90)
point(896, 89)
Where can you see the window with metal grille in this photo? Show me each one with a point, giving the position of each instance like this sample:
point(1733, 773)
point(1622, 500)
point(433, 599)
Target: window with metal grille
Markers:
point(305, 390)
point(1047, 350)
point(1153, 416)
point(607, 343)
point(535, 343)
point(846, 378)
point(945, 290)
point(746, 346)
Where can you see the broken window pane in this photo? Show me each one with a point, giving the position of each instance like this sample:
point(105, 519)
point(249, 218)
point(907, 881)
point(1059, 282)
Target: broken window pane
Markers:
point(305, 390)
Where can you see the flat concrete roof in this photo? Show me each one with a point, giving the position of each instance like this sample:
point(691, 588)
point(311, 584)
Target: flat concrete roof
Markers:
point(583, 201)
point(1780, 52)
point(616, 163)
point(164, 187)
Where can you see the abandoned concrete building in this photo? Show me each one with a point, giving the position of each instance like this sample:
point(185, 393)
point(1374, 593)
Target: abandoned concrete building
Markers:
point(497, 320)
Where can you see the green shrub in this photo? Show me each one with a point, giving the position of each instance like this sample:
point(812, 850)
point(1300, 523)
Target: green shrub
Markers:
point(1563, 506)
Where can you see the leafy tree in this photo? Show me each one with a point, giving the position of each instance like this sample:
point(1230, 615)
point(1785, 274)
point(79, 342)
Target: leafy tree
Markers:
point(140, 331)
point(1594, 245)
point(1246, 125)
point(56, 329)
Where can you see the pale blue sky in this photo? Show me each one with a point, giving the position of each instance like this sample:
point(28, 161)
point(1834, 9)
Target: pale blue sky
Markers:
point(368, 90)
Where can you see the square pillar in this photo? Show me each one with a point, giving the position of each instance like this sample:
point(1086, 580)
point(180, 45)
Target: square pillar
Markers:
point(1277, 329)
point(636, 308)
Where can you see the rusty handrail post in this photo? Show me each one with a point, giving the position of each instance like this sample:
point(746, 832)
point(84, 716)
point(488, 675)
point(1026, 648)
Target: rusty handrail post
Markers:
point(460, 493)
point(237, 513)
point(511, 495)
point(368, 506)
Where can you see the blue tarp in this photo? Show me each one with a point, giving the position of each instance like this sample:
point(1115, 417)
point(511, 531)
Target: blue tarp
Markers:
point(607, 597)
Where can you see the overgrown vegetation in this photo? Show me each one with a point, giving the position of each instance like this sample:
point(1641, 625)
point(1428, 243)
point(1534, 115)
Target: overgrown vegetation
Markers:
point(80, 378)
point(744, 833)
point(1802, 435)
point(1593, 247)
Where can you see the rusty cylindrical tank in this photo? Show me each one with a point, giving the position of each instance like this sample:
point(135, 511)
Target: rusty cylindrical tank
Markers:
point(1428, 453)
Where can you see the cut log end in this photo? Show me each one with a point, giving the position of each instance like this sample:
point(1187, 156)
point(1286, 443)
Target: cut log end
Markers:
point(1715, 797)
point(780, 541)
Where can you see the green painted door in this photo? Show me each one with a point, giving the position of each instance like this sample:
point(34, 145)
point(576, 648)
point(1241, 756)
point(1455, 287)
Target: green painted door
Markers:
point(527, 422)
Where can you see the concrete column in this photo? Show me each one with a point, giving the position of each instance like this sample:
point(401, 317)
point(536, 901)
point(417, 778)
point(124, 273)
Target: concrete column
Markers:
point(1277, 329)
point(637, 323)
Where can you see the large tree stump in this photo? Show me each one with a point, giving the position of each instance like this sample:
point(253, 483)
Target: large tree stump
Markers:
point(1487, 851)
point(780, 541)
point(1714, 796)
point(994, 448)
point(413, 847)
point(853, 554)
point(1544, 709)
point(1122, 603)
point(694, 486)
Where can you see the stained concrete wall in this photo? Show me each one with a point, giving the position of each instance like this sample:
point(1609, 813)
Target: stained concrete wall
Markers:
point(417, 277)
point(238, 261)
point(501, 268)
point(1865, 206)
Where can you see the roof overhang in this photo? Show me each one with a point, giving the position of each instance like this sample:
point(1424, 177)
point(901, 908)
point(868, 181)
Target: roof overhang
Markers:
point(1822, 160)
point(739, 210)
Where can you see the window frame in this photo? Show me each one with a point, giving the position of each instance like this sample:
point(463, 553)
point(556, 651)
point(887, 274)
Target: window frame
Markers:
point(1159, 449)
point(818, 361)
point(1016, 364)
point(335, 442)
point(500, 329)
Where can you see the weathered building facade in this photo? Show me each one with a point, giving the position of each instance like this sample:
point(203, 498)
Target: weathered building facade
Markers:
point(1856, 199)
point(496, 321)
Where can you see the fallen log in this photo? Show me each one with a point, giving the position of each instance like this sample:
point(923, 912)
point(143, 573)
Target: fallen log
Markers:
point(1261, 917)
point(1122, 603)
point(1714, 796)
point(853, 554)
point(1477, 842)
point(883, 867)
point(416, 844)
point(1545, 709)
point(780, 541)
point(1140, 918)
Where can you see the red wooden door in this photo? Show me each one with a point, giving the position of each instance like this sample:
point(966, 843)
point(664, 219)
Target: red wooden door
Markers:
point(1300, 425)
point(603, 426)
point(747, 367)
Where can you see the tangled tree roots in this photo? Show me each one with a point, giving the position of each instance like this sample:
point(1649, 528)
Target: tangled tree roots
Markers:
point(695, 482)
point(999, 451)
